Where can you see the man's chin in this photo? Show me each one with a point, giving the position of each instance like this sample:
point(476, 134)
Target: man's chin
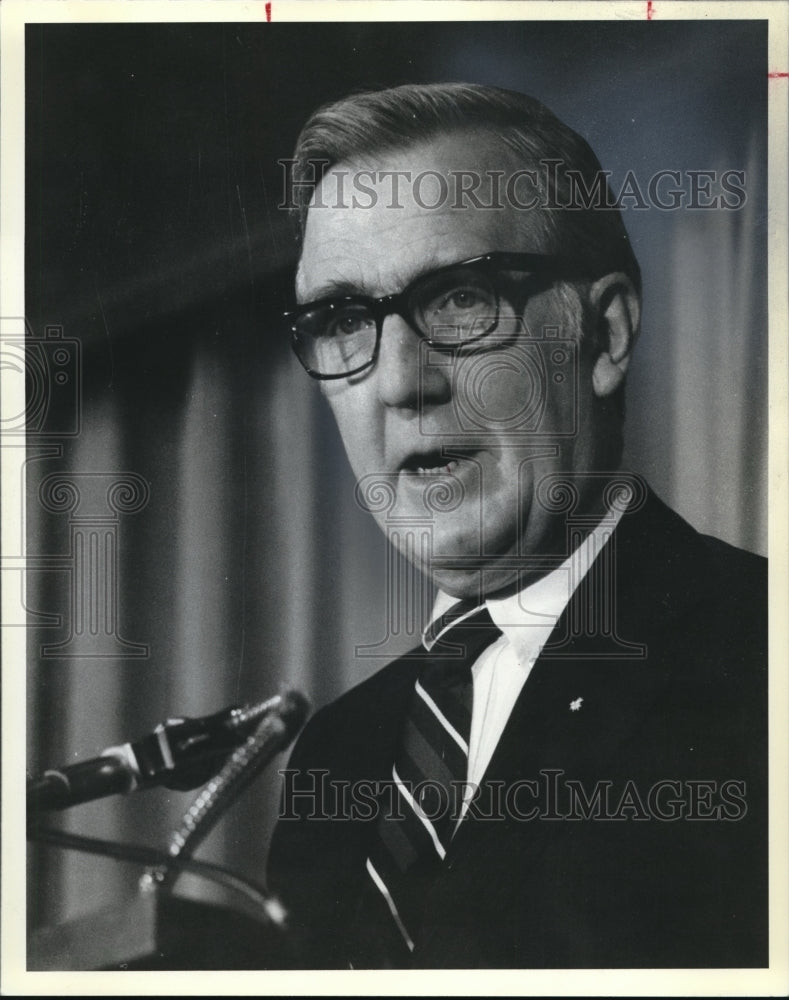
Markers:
point(474, 583)
point(452, 559)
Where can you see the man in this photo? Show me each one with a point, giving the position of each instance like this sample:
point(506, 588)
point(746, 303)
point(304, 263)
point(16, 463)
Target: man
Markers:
point(571, 770)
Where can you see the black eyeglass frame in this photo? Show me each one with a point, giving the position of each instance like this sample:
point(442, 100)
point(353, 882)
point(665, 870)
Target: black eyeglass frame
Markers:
point(541, 265)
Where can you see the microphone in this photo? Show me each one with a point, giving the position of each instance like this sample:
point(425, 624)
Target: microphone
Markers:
point(180, 753)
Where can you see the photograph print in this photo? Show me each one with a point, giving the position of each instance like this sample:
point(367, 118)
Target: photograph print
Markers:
point(395, 494)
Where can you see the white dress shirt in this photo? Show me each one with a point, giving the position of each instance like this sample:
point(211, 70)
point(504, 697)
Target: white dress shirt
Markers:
point(526, 620)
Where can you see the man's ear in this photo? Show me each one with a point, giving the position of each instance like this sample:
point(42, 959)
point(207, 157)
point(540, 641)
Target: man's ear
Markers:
point(616, 307)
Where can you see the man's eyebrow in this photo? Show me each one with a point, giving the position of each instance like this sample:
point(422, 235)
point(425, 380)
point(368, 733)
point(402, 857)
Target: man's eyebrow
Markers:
point(343, 286)
point(328, 289)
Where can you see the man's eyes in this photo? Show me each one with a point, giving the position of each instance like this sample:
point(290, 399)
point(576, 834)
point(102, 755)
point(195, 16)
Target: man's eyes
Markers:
point(451, 299)
point(459, 299)
point(464, 298)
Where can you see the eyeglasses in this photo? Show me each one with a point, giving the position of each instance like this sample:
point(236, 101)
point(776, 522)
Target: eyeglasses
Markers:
point(452, 308)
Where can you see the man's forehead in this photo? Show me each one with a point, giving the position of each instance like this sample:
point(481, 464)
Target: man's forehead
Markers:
point(379, 252)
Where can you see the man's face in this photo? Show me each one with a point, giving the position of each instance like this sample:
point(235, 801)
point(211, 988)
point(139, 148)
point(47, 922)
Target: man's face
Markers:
point(512, 415)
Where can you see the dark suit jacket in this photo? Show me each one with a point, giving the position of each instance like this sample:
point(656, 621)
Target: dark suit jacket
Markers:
point(670, 867)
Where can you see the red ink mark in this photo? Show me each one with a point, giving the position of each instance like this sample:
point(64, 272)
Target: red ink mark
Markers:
point(268, 11)
point(777, 76)
point(650, 10)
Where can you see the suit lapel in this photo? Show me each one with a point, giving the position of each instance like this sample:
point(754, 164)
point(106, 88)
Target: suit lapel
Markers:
point(588, 692)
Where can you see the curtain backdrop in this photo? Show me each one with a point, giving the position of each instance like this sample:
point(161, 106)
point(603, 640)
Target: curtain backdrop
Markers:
point(155, 242)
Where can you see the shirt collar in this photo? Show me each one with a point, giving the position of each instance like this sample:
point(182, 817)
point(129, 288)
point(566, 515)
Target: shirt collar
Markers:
point(537, 605)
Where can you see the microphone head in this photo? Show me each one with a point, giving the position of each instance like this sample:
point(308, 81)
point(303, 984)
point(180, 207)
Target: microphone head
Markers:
point(293, 710)
point(278, 719)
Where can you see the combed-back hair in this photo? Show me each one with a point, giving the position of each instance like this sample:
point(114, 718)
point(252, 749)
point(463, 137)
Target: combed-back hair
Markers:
point(384, 120)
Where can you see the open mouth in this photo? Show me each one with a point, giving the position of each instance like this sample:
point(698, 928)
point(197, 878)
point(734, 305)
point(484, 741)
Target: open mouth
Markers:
point(429, 463)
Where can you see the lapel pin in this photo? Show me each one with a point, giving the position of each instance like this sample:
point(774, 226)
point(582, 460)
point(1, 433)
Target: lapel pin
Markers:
point(575, 704)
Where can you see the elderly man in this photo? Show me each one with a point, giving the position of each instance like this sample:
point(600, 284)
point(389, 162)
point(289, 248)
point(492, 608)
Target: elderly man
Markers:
point(571, 770)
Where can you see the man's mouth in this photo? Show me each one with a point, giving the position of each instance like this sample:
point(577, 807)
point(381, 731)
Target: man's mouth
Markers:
point(429, 463)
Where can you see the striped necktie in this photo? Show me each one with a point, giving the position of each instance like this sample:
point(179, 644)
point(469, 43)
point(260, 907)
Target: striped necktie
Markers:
point(414, 831)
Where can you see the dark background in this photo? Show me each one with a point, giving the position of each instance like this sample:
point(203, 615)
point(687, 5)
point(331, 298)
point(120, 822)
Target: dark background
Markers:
point(155, 240)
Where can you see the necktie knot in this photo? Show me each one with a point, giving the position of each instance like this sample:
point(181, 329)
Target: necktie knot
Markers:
point(460, 641)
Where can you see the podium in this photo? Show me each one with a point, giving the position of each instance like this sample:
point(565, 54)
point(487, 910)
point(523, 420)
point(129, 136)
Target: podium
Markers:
point(158, 930)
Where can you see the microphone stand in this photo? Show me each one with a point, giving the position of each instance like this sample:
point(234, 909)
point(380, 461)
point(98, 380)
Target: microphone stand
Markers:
point(158, 929)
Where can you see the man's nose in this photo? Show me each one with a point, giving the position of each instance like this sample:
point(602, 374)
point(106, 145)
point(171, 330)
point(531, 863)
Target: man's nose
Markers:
point(406, 378)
